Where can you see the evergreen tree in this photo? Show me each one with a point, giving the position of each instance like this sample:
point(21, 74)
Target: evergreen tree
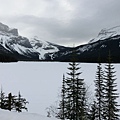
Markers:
point(20, 103)
point(76, 94)
point(62, 108)
point(111, 105)
point(99, 92)
point(93, 112)
point(2, 99)
point(10, 102)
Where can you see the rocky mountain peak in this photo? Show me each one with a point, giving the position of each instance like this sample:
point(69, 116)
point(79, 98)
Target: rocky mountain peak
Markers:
point(5, 29)
point(107, 33)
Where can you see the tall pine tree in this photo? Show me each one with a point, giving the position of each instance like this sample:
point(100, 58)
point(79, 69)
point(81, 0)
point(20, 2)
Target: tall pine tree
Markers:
point(111, 95)
point(62, 108)
point(76, 94)
point(99, 92)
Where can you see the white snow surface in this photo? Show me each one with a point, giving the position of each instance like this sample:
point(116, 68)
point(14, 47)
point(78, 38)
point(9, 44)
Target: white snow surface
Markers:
point(3, 39)
point(6, 39)
point(42, 47)
point(7, 115)
point(107, 33)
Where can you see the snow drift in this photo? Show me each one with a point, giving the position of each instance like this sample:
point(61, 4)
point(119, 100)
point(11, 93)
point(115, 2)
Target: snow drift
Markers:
point(7, 115)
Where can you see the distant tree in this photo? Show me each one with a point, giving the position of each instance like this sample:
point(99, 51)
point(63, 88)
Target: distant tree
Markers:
point(48, 114)
point(2, 99)
point(20, 103)
point(52, 111)
point(10, 102)
point(99, 92)
point(111, 95)
point(62, 107)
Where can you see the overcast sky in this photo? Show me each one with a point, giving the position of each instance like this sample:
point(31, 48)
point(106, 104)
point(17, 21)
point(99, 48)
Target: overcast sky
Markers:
point(64, 22)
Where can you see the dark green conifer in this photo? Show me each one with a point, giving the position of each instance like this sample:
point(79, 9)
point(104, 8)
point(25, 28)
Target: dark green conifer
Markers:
point(93, 111)
point(10, 102)
point(111, 95)
point(99, 92)
point(2, 99)
point(20, 103)
point(62, 108)
point(76, 94)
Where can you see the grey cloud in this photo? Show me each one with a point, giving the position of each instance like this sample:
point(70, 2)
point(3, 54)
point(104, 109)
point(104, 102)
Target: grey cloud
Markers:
point(62, 26)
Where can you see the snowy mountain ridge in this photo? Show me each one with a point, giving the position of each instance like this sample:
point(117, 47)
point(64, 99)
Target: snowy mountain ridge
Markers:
point(14, 47)
point(6, 29)
point(107, 33)
point(22, 46)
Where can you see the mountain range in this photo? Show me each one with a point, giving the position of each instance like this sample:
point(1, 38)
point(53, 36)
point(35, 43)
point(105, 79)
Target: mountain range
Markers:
point(14, 47)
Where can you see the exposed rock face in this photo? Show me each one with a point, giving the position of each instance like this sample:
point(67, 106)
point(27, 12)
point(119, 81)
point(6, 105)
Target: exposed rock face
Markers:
point(14, 31)
point(6, 29)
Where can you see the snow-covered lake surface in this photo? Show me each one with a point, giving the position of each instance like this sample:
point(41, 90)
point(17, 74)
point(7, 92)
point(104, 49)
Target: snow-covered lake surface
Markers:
point(40, 82)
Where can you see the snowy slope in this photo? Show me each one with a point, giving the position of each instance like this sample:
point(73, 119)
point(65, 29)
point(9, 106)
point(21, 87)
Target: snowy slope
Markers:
point(7, 115)
point(103, 35)
point(43, 47)
point(17, 45)
point(107, 33)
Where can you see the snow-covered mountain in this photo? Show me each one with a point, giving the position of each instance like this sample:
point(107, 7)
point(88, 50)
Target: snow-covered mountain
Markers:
point(108, 40)
point(14, 47)
point(7, 115)
point(45, 49)
point(22, 48)
point(107, 33)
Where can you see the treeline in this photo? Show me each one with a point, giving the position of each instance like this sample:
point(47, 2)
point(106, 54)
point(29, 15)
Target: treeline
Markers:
point(7, 58)
point(12, 102)
point(74, 103)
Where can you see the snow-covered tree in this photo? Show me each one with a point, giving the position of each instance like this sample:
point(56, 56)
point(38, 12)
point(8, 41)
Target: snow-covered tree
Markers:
point(93, 111)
